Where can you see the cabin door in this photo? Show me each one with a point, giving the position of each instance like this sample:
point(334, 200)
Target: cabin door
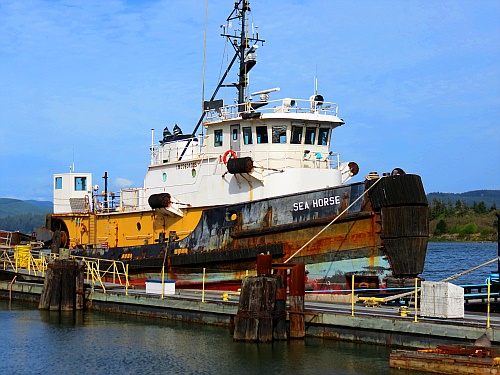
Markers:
point(235, 138)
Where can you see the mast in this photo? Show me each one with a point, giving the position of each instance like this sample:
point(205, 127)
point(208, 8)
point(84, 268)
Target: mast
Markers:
point(244, 46)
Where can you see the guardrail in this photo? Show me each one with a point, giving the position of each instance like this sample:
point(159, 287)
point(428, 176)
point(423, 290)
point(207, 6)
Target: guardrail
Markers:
point(21, 257)
point(23, 260)
point(104, 271)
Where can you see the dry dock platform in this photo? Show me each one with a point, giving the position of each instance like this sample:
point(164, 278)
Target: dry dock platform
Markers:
point(324, 318)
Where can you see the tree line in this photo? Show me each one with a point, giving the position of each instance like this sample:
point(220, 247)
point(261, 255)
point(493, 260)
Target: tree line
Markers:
point(24, 223)
point(462, 219)
point(440, 209)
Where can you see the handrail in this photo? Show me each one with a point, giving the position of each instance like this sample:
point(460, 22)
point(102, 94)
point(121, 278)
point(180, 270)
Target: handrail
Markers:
point(36, 264)
point(100, 269)
point(273, 106)
point(299, 155)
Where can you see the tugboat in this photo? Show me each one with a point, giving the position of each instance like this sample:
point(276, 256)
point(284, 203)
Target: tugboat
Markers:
point(258, 176)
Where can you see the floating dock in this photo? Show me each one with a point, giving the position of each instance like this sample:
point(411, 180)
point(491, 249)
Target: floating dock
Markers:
point(476, 362)
point(324, 316)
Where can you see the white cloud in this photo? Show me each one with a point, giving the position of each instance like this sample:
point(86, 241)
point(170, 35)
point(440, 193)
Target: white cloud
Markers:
point(123, 182)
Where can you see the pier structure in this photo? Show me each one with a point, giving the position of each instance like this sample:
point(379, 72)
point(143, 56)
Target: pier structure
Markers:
point(325, 318)
point(329, 315)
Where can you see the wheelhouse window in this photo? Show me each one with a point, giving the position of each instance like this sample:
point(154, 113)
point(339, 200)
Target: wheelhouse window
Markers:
point(58, 183)
point(323, 136)
point(80, 183)
point(310, 136)
point(261, 132)
point(247, 135)
point(279, 134)
point(296, 135)
point(235, 134)
point(218, 138)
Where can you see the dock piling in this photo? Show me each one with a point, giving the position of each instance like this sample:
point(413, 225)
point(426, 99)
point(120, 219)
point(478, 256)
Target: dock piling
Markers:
point(63, 286)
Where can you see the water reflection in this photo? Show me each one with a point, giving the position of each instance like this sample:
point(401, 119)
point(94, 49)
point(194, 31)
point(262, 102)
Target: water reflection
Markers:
point(40, 342)
point(62, 318)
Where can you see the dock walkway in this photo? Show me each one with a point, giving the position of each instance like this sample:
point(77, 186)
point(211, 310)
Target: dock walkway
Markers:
point(327, 319)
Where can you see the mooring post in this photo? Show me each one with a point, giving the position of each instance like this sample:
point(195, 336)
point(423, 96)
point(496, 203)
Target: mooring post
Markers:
point(416, 299)
point(488, 306)
point(280, 306)
point(63, 286)
point(256, 309)
point(297, 293)
point(79, 287)
point(264, 264)
point(352, 294)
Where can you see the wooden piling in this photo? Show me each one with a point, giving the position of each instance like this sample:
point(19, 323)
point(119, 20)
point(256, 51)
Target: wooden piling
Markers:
point(62, 279)
point(79, 288)
point(254, 320)
point(54, 288)
point(68, 296)
point(280, 307)
point(297, 293)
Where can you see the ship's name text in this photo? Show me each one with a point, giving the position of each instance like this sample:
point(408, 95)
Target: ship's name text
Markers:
point(320, 202)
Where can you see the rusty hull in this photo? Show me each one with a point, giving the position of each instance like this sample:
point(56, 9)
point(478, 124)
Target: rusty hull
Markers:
point(443, 363)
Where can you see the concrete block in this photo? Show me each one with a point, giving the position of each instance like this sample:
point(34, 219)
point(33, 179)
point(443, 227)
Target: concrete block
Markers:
point(154, 287)
point(441, 300)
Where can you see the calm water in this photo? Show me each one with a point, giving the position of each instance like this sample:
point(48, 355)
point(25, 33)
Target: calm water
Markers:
point(42, 342)
point(445, 259)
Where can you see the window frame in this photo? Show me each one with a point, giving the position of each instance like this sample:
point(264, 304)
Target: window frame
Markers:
point(80, 183)
point(263, 137)
point(218, 138)
point(327, 137)
point(308, 134)
point(300, 135)
point(282, 129)
point(247, 131)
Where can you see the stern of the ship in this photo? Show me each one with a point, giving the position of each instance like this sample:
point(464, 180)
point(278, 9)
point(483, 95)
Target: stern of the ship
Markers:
point(400, 198)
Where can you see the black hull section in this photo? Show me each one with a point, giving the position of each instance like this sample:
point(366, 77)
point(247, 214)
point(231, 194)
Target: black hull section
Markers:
point(404, 215)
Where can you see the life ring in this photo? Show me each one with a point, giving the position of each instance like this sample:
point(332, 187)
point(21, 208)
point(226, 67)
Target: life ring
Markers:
point(229, 152)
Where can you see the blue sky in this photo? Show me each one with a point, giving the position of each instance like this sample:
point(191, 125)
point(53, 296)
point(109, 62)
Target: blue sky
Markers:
point(417, 83)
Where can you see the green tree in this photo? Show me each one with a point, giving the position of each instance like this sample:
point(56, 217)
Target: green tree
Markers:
point(479, 208)
point(441, 228)
point(467, 229)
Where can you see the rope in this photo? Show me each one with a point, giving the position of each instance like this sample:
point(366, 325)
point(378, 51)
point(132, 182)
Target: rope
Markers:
point(334, 220)
point(457, 275)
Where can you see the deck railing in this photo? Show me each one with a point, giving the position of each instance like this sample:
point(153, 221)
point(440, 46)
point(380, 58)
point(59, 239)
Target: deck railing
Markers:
point(99, 272)
point(286, 105)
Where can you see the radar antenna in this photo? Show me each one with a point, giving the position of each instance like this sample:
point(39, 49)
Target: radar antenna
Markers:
point(244, 46)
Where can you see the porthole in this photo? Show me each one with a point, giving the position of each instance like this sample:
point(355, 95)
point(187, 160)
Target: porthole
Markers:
point(164, 177)
point(138, 226)
point(193, 172)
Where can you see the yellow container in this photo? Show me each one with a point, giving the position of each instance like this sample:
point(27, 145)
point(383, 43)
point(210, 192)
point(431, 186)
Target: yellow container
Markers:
point(403, 311)
point(22, 255)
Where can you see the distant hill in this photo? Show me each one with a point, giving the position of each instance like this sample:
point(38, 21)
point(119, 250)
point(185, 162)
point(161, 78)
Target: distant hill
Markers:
point(13, 207)
point(42, 204)
point(489, 197)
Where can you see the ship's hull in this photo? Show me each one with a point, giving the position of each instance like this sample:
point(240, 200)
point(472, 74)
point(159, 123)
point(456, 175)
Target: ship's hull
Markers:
point(383, 235)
